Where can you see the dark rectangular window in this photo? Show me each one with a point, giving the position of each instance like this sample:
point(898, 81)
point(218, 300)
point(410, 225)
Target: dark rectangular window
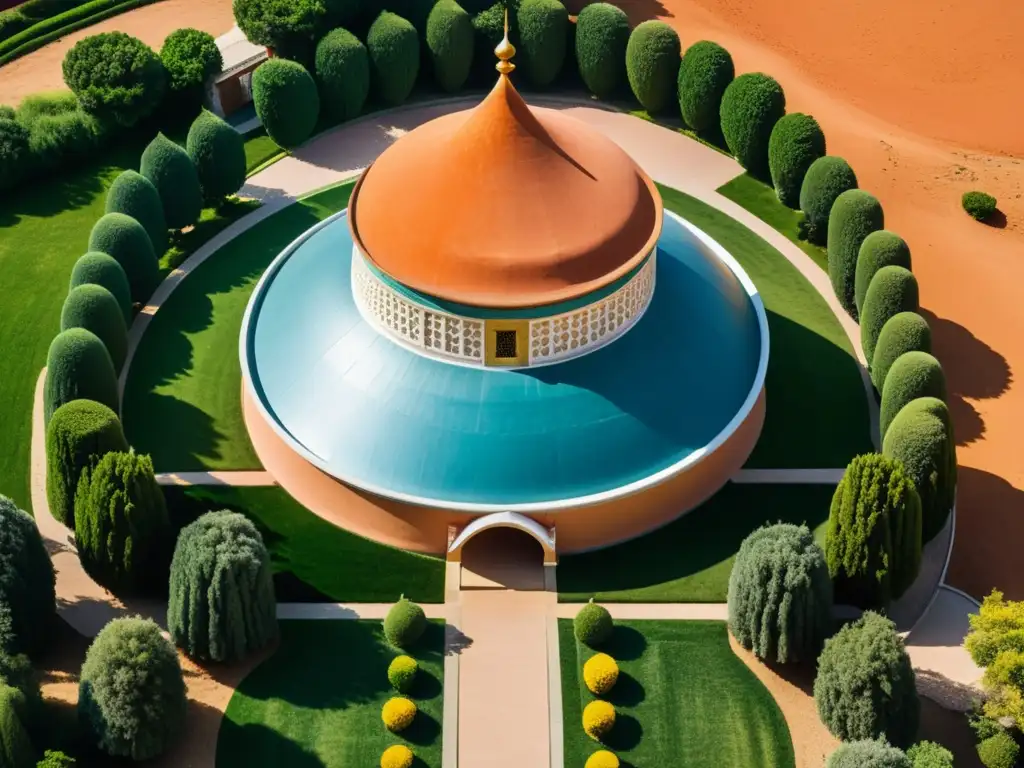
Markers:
point(505, 345)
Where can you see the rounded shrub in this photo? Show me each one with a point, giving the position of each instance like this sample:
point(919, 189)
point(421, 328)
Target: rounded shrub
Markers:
point(873, 539)
point(598, 719)
point(134, 195)
point(751, 106)
point(286, 26)
point(999, 751)
point(26, 581)
point(600, 673)
point(449, 39)
point(17, 672)
point(217, 152)
point(979, 205)
point(397, 756)
point(94, 308)
point(15, 154)
point(914, 374)
point(221, 604)
point(131, 694)
point(902, 333)
point(405, 623)
point(190, 57)
point(78, 366)
point(593, 625)
point(394, 49)
point(780, 595)
point(402, 673)
point(704, 73)
point(16, 748)
point(602, 36)
point(398, 713)
point(602, 759)
point(174, 175)
point(892, 290)
point(115, 75)
point(868, 753)
point(796, 141)
point(881, 248)
point(928, 754)
point(543, 34)
point(827, 178)
point(343, 73)
point(921, 436)
point(125, 240)
point(95, 268)
point(855, 215)
point(56, 759)
point(652, 64)
point(286, 101)
point(121, 524)
point(79, 433)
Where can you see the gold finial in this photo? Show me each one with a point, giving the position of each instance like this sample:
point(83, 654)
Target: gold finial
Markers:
point(505, 51)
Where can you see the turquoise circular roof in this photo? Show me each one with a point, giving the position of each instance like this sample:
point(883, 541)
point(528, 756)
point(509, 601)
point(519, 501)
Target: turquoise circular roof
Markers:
point(390, 421)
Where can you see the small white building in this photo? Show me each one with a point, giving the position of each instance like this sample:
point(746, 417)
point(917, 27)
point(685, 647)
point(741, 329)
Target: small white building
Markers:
point(231, 90)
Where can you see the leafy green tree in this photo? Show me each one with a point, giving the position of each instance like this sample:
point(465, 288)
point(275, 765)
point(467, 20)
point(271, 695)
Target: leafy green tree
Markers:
point(343, 73)
point(16, 749)
point(751, 106)
point(78, 367)
point(174, 175)
point(26, 582)
point(704, 74)
point(795, 143)
point(855, 214)
point(826, 179)
point(286, 101)
point(913, 375)
point(996, 644)
point(892, 290)
point(134, 195)
point(218, 153)
point(602, 35)
point(543, 33)
point(868, 753)
point(652, 64)
point(881, 248)
point(288, 27)
point(902, 333)
point(394, 49)
point(95, 309)
point(126, 241)
point(190, 57)
point(928, 754)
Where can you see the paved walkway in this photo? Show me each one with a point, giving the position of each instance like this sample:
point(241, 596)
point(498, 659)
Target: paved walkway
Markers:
point(249, 478)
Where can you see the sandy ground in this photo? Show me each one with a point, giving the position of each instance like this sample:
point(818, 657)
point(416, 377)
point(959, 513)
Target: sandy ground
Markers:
point(41, 70)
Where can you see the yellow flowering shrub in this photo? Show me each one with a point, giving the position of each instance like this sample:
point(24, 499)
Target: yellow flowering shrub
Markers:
point(398, 713)
point(600, 673)
point(400, 756)
point(402, 673)
point(598, 719)
point(602, 759)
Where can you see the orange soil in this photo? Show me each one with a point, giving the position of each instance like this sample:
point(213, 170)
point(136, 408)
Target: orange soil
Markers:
point(41, 70)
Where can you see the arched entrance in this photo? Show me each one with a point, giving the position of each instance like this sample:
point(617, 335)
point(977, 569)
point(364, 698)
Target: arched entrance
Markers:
point(504, 550)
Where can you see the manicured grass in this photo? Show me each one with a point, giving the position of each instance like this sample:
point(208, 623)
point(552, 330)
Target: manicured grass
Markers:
point(182, 401)
point(315, 561)
point(211, 221)
point(260, 149)
point(317, 701)
point(690, 559)
point(683, 698)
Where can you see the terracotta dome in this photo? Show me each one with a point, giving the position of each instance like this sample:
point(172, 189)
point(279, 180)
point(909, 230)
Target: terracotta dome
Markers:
point(505, 206)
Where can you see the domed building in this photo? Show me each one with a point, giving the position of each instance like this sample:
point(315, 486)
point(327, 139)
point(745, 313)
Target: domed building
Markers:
point(505, 328)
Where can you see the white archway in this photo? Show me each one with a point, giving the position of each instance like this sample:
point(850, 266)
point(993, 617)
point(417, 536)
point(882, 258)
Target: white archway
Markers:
point(543, 536)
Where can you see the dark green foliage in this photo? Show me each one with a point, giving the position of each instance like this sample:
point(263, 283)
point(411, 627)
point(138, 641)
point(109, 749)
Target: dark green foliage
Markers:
point(131, 694)
point(218, 153)
point(542, 39)
point(868, 754)
point(190, 57)
point(14, 153)
point(404, 624)
point(174, 175)
point(796, 141)
point(287, 26)
point(286, 101)
point(864, 688)
point(873, 539)
point(78, 366)
point(94, 308)
point(921, 436)
point(488, 30)
point(593, 625)
point(999, 751)
point(906, 332)
point(892, 290)
point(704, 74)
point(602, 35)
point(115, 75)
point(124, 239)
point(826, 179)
point(134, 195)
point(984, 727)
point(928, 754)
point(26, 581)
point(99, 269)
point(16, 671)
point(7, 113)
point(52, 759)
point(780, 595)
point(342, 13)
point(652, 64)
point(121, 524)
point(914, 374)
point(979, 205)
point(79, 433)
point(221, 605)
point(15, 746)
point(881, 248)
point(751, 106)
point(394, 49)
point(449, 40)
point(855, 215)
point(343, 72)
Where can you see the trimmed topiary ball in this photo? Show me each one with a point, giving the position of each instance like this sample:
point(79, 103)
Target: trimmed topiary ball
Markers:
point(864, 688)
point(979, 205)
point(94, 308)
point(602, 759)
point(78, 366)
point(174, 175)
point(598, 719)
point(190, 57)
point(602, 35)
point(881, 248)
point(826, 179)
point(751, 106)
point(95, 268)
point(394, 49)
point(704, 74)
point(780, 595)
point(855, 215)
point(405, 623)
point(892, 290)
point(134, 195)
point(796, 141)
point(873, 539)
point(397, 756)
point(26, 581)
point(543, 34)
point(449, 40)
point(652, 64)
point(999, 751)
point(56, 759)
point(905, 332)
point(402, 673)
point(131, 695)
point(286, 101)
point(78, 435)
point(600, 673)
point(398, 713)
point(124, 239)
point(928, 754)
point(221, 605)
point(217, 152)
point(16, 748)
point(868, 754)
point(593, 625)
point(914, 374)
point(343, 74)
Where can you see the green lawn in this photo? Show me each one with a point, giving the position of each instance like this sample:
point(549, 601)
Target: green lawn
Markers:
point(683, 698)
point(315, 561)
point(260, 149)
point(317, 701)
point(690, 559)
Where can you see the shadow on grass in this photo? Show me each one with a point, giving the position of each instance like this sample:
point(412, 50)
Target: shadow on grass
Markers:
point(625, 644)
point(625, 735)
point(272, 747)
point(628, 692)
point(423, 731)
